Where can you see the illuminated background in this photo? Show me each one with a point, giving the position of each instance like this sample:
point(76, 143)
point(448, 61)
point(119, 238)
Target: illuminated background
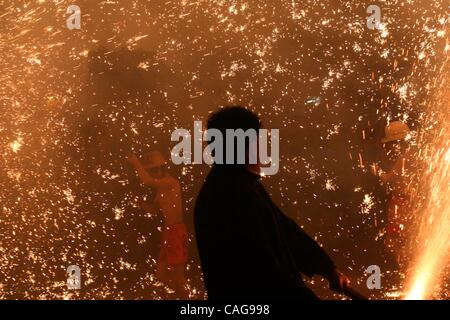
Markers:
point(73, 103)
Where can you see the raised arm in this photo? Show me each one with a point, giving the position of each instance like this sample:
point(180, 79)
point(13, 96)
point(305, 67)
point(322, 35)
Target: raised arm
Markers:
point(144, 176)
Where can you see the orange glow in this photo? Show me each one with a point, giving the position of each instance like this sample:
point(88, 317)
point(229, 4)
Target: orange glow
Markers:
point(433, 237)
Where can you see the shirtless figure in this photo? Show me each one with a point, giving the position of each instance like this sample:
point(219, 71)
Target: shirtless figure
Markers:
point(173, 254)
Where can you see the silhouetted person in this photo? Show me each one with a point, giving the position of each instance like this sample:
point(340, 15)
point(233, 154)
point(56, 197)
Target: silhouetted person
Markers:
point(248, 248)
point(398, 158)
point(173, 254)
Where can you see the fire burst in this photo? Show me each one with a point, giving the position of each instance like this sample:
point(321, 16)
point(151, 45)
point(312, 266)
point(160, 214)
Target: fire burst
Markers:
point(434, 228)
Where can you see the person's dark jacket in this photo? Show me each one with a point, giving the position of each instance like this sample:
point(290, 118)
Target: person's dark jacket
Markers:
point(248, 248)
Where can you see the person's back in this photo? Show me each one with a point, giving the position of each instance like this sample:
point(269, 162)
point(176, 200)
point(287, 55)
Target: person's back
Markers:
point(240, 247)
point(168, 200)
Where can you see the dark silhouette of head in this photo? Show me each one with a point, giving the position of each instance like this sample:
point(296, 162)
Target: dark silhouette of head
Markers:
point(234, 117)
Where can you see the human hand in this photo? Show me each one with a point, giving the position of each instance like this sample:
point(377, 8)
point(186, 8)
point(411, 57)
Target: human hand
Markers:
point(338, 281)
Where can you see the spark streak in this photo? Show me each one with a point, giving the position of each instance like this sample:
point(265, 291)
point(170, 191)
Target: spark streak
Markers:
point(434, 228)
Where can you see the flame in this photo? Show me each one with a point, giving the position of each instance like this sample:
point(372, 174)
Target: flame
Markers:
point(433, 236)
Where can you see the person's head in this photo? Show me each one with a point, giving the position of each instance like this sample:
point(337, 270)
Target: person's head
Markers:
point(235, 117)
point(394, 140)
point(155, 164)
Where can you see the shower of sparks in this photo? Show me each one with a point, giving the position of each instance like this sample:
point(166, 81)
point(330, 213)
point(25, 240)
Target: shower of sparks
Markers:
point(73, 103)
point(433, 232)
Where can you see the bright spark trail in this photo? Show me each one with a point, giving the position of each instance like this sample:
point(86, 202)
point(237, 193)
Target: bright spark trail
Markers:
point(433, 234)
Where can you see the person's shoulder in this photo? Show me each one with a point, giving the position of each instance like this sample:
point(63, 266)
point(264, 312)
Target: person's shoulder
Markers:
point(169, 181)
